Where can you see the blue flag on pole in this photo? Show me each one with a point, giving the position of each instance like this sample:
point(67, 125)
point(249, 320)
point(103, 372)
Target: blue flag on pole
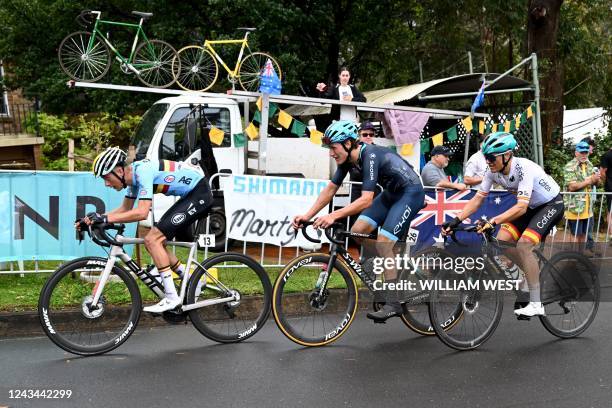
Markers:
point(479, 100)
point(270, 82)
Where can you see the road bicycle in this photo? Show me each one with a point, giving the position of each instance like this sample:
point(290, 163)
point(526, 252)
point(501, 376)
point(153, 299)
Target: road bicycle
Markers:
point(92, 305)
point(315, 297)
point(196, 69)
point(569, 285)
point(86, 55)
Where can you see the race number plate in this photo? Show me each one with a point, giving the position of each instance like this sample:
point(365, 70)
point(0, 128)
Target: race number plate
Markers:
point(206, 240)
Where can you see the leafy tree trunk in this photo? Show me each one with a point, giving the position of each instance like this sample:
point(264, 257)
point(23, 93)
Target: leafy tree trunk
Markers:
point(542, 28)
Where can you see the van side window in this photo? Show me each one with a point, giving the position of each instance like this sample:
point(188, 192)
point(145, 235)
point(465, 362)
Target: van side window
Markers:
point(172, 143)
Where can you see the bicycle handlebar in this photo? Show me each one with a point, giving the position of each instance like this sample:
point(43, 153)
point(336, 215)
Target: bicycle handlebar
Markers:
point(98, 233)
point(328, 232)
point(82, 19)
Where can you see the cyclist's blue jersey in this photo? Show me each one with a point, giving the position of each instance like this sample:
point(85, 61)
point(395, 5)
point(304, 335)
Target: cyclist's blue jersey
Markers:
point(380, 165)
point(166, 177)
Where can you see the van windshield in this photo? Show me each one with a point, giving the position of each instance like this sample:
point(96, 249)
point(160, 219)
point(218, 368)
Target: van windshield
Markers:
point(146, 129)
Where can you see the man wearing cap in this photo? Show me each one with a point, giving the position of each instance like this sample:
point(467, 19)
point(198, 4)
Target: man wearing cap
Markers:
point(367, 132)
point(433, 172)
point(579, 177)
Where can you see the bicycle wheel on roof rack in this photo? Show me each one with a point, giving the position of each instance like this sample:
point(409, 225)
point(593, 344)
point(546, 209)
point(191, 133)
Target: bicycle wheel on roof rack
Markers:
point(251, 69)
point(83, 62)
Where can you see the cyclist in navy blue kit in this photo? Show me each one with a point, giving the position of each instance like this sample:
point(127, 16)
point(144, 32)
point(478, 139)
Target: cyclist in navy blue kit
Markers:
point(392, 210)
point(143, 179)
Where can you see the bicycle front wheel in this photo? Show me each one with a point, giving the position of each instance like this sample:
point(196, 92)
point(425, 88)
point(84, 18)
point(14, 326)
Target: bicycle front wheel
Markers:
point(416, 310)
point(82, 62)
point(481, 308)
point(153, 59)
point(303, 314)
point(236, 276)
point(570, 293)
point(195, 68)
point(251, 69)
point(70, 321)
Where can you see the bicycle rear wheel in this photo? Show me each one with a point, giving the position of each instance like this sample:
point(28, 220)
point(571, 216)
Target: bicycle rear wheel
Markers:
point(81, 62)
point(570, 293)
point(195, 68)
point(251, 68)
point(481, 308)
point(153, 59)
point(68, 320)
point(304, 316)
point(228, 275)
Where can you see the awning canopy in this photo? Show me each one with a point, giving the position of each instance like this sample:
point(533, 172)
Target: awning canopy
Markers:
point(409, 95)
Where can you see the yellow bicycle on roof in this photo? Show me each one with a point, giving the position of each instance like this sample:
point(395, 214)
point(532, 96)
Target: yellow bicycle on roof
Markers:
point(195, 67)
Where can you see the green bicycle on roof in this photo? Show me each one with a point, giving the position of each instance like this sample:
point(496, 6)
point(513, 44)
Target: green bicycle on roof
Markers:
point(86, 56)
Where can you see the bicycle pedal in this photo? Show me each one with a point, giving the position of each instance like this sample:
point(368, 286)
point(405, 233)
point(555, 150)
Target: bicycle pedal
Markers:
point(377, 321)
point(523, 317)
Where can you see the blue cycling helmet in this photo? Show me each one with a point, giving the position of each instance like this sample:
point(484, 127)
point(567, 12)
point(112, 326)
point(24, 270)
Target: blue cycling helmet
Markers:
point(340, 131)
point(499, 142)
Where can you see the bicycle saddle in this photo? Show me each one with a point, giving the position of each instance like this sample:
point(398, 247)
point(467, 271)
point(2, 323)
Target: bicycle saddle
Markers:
point(247, 28)
point(141, 14)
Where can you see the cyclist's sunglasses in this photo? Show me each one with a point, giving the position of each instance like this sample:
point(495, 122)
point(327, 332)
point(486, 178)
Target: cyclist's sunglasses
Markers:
point(489, 157)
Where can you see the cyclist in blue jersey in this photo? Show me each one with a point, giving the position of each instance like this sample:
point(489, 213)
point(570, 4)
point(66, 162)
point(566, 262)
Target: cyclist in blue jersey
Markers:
point(143, 179)
point(392, 210)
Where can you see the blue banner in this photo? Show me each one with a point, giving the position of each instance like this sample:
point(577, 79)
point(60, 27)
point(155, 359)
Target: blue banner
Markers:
point(444, 205)
point(38, 210)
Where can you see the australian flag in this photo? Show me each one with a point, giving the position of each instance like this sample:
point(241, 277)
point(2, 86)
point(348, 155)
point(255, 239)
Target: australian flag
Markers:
point(270, 82)
point(444, 205)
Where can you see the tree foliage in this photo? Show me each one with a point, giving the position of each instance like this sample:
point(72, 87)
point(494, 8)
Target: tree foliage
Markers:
point(382, 42)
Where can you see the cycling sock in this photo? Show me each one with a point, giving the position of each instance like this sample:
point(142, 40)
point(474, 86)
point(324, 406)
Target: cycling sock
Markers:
point(169, 289)
point(534, 293)
point(178, 268)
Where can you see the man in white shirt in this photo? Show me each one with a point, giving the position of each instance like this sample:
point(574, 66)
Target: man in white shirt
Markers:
point(475, 168)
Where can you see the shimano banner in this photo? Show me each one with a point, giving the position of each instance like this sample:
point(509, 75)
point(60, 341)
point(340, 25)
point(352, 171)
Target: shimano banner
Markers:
point(260, 209)
point(38, 210)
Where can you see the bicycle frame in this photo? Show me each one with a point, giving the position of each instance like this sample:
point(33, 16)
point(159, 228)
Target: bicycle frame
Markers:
point(139, 33)
point(117, 252)
point(209, 46)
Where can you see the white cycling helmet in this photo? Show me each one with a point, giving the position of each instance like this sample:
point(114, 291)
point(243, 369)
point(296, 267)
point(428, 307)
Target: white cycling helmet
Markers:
point(106, 161)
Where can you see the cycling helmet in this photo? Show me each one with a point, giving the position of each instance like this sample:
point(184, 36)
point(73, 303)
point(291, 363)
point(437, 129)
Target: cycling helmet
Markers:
point(108, 160)
point(498, 142)
point(340, 131)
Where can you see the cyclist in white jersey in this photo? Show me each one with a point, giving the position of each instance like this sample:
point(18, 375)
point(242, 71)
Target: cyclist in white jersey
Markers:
point(538, 208)
point(143, 179)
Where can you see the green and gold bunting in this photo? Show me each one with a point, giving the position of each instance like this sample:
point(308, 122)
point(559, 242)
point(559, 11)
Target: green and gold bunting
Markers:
point(284, 119)
point(481, 127)
point(425, 146)
point(316, 136)
point(451, 134)
point(257, 117)
point(252, 131)
point(438, 139)
point(216, 135)
point(298, 128)
point(467, 124)
point(239, 140)
point(406, 149)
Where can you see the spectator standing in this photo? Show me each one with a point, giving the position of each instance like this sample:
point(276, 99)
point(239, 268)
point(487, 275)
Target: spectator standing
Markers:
point(342, 91)
point(367, 132)
point(605, 164)
point(579, 177)
point(433, 172)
